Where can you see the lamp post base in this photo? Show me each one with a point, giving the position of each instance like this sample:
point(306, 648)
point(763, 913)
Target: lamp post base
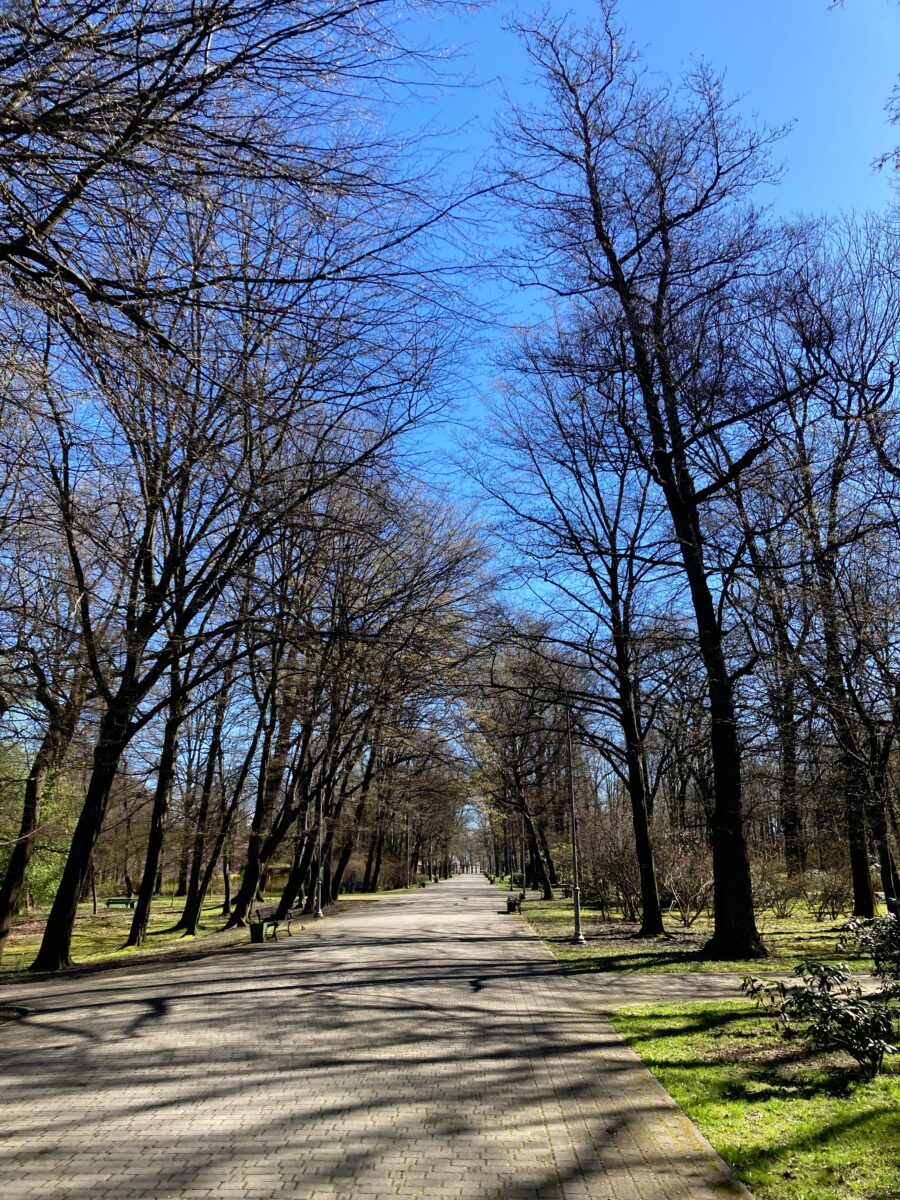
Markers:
point(578, 938)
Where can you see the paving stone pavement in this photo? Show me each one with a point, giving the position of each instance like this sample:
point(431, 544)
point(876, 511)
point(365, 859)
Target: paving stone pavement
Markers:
point(420, 1047)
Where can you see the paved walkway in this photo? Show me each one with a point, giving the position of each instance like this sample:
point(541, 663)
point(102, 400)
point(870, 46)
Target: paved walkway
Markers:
point(419, 1047)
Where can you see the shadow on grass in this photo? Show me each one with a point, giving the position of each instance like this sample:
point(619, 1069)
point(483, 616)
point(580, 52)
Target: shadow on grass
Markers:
point(761, 1159)
point(764, 1065)
point(599, 961)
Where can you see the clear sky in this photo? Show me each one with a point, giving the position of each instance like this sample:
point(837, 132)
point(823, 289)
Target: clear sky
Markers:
point(828, 69)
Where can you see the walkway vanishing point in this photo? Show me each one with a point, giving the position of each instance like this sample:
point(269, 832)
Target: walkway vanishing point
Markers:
point(419, 1047)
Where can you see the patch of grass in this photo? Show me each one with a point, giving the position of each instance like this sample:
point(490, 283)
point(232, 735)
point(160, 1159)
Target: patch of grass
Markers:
point(102, 937)
point(794, 1124)
point(613, 945)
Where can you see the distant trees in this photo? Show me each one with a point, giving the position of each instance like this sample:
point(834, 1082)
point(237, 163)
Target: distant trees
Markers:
point(694, 471)
point(640, 196)
point(216, 329)
point(238, 638)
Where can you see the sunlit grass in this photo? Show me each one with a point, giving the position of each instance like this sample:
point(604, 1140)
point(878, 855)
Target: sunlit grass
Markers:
point(794, 1125)
point(102, 936)
point(613, 945)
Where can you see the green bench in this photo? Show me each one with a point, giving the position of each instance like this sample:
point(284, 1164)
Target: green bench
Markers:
point(265, 919)
point(121, 902)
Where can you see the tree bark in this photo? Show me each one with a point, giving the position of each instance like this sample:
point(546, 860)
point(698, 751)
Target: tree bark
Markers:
point(791, 823)
point(537, 859)
point(48, 758)
point(56, 946)
point(162, 797)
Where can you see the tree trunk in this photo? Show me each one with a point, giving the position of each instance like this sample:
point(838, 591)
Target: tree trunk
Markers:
point(734, 934)
point(537, 860)
point(651, 913)
point(350, 843)
point(791, 825)
point(209, 775)
point(56, 945)
point(193, 908)
point(545, 854)
point(888, 871)
point(638, 792)
point(184, 857)
point(226, 887)
point(370, 861)
point(295, 888)
point(161, 799)
point(855, 818)
point(49, 757)
point(379, 853)
point(263, 842)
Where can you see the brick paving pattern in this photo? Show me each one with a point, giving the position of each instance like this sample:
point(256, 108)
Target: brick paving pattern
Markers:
point(420, 1047)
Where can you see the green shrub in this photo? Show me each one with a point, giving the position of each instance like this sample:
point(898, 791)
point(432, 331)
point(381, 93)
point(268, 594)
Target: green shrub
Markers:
point(879, 938)
point(828, 1008)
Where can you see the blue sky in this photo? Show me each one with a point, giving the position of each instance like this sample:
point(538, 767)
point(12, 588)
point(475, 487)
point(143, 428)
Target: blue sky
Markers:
point(829, 70)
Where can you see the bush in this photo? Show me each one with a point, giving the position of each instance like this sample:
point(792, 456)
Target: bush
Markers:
point(878, 937)
point(684, 868)
point(827, 893)
point(828, 1009)
point(774, 891)
point(597, 894)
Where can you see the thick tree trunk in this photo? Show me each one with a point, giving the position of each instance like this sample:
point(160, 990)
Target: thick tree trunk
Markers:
point(265, 835)
point(539, 867)
point(193, 908)
point(184, 857)
point(255, 868)
point(638, 792)
point(379, 854)
point(651, 913)
point(295, 889)
point(735, 934)
point(370, 861)
point(887, 869)
point(545, 852)
point(855, 818)
point(48, 758)
point(56, 945)
point(209, 775)
point(350, 842)
point(226, 887)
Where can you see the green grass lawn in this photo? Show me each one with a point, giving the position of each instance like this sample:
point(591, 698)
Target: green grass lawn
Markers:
point(793, 1125)
point(101, 937)
point(613, 945)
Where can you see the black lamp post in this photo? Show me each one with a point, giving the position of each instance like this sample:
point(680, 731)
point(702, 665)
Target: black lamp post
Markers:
point(578, 936)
